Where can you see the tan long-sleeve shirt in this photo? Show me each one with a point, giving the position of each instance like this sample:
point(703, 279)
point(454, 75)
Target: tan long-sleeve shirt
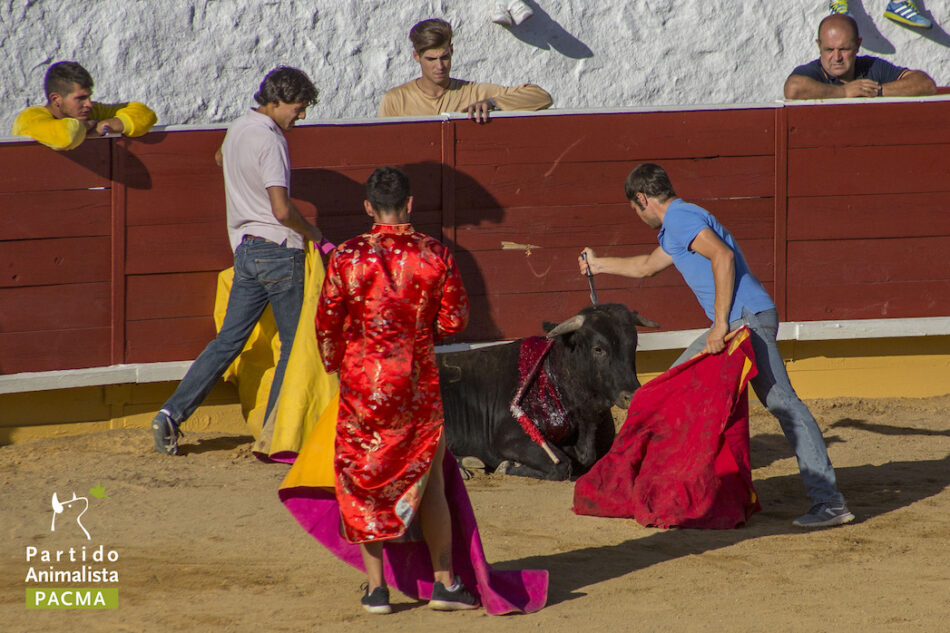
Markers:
point(409, 100)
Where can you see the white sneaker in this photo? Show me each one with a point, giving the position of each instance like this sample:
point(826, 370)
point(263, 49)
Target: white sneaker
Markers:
point(500, 15)
point(519, 11)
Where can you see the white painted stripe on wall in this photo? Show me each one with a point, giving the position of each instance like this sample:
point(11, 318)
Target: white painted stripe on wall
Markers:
point(648, 341)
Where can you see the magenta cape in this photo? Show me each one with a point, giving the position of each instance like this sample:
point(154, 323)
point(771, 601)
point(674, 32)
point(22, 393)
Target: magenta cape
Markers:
point(407, 565)
point(681, 458)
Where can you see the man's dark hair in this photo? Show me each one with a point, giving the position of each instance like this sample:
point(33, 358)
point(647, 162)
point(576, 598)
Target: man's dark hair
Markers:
point(387, 189)
point(651, 180)
point(62, 75)
point(432, 33)
point(840, 17)
point(288, 85)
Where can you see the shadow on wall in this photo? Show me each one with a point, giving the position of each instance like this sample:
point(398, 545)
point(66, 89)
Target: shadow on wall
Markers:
point(339, 199)
point(873, 40)
point(544, 32)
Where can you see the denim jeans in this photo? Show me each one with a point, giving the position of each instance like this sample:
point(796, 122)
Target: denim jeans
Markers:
point(264, 272)
point(774, 389)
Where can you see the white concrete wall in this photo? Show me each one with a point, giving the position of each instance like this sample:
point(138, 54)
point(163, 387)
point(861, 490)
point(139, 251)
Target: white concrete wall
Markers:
point(200, 62)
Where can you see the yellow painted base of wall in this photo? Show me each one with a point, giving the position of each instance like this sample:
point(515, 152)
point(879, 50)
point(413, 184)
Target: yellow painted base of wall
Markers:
point(865, 368)
point(917, 367)
point(62, 412)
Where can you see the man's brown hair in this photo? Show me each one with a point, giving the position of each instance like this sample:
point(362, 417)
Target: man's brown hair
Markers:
point(61, 77)
point(432, 33)
point(651, 180)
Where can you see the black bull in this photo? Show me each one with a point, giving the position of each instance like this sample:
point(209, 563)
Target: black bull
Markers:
point(591, 364)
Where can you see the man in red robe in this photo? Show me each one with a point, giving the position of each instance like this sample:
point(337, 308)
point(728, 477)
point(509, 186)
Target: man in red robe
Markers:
point(388, 294)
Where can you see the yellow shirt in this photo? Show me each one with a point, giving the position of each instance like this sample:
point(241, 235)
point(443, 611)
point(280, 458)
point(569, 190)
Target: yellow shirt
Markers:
point(38, 123)
point(409, 100)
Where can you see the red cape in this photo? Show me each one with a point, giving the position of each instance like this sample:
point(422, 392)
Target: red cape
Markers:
point(681, 458)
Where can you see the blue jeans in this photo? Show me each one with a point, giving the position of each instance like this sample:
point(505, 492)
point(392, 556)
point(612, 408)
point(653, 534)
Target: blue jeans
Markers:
point(774, 389)
point(264, 272)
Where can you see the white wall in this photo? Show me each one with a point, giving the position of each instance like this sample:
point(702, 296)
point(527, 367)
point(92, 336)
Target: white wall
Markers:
point(200, 62)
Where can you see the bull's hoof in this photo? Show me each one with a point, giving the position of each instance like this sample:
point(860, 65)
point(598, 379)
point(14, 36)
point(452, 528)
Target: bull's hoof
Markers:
point(504, 468)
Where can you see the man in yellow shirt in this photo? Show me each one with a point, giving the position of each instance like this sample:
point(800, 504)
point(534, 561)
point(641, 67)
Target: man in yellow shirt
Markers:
point(70, 115)
point(436, 92)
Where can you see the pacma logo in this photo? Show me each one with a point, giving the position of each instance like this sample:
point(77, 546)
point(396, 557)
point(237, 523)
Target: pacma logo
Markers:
point(59, 507)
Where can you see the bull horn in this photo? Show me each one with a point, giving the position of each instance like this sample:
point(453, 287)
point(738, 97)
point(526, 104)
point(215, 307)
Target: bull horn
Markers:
point(645, 322)
point(566, 327)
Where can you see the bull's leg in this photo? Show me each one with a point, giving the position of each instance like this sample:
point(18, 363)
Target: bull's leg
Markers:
point(530, 460)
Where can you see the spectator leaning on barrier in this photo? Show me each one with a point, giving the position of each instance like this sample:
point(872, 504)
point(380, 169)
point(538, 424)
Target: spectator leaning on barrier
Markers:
point(267, 235)
point(840, 73)
point(435, 92)
point(70, 115)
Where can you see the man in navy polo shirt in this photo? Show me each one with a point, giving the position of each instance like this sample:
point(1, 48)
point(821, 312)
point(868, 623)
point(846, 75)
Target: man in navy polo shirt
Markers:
point(713, 266)
point(839, 73)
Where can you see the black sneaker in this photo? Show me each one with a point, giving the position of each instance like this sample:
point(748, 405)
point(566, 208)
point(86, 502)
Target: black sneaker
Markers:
point(376, 602)
point(449, 599)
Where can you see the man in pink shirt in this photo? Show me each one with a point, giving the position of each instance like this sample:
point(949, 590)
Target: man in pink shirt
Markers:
point(267, 234)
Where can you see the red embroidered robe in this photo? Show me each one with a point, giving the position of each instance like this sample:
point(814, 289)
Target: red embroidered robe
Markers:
point(387, 295)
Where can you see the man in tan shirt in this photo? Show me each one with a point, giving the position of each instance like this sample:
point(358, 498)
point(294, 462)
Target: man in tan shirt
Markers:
point(436, 92)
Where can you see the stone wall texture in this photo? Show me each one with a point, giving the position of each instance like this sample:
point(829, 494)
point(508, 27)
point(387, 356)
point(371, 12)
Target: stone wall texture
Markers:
point(200, 62)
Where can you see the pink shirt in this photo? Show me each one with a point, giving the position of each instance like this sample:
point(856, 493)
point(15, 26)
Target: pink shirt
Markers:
point(255, 158)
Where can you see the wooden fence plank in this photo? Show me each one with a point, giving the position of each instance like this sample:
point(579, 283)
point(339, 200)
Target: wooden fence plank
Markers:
point(54, 261)
point(862, 124)
point(598, 138)
point(30, 166)
point(866, 216)
point(59, 307)
point(159, 340)
point(43, 214)
point(51, 350)
point(867, 170)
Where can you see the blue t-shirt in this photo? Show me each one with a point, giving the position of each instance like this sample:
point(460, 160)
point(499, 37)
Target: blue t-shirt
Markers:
point(681, 224)
point(865, 67)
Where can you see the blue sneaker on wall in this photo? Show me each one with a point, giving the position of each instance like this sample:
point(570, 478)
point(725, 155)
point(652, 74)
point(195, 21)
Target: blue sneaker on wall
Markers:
point(907, 13)
point(838, 6)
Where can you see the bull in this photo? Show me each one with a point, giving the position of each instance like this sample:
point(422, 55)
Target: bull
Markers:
point(589, 365)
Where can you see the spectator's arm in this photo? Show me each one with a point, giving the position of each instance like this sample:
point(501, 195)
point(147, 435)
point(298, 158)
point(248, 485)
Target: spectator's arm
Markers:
point(41, 126)
point(287, 214)
point(130, 119)
point(801, 87)
point(912, 83)
point(524, 97)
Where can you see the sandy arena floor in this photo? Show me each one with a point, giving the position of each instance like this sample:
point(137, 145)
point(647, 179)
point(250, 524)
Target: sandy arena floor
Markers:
point(205, 545)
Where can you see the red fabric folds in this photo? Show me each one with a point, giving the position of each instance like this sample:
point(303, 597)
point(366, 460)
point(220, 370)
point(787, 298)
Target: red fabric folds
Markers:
point(681, 458)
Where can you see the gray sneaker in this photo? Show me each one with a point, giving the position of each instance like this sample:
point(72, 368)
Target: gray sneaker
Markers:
point(165, 433)
point(825, 515)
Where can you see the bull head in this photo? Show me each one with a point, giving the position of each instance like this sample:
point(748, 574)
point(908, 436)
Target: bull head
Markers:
point(576, 322)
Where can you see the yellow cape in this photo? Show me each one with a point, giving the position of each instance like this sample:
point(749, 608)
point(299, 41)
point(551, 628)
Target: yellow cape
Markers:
point(307, 390)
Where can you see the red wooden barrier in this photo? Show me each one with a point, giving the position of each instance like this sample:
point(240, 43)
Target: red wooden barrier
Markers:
point(109, 253)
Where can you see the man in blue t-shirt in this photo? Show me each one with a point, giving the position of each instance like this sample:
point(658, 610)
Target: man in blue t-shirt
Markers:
point(839, 72)
point(714, 268)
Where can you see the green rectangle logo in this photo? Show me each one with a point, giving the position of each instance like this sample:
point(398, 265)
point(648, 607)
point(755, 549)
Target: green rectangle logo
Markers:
point(72, 598)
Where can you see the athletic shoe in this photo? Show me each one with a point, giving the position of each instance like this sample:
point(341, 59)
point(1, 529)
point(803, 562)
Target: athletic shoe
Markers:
point(907, 13)
point(519, 11)
point(824, 515)
point(166, 433)
point(839, 6)
point(454, 598)
point(376, 602)
point(500, 15)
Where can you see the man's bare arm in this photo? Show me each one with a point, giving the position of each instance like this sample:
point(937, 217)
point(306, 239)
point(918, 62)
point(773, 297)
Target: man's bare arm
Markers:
point(637, 267)
point(287, 214)
point(708, 244)
point(913, 83)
